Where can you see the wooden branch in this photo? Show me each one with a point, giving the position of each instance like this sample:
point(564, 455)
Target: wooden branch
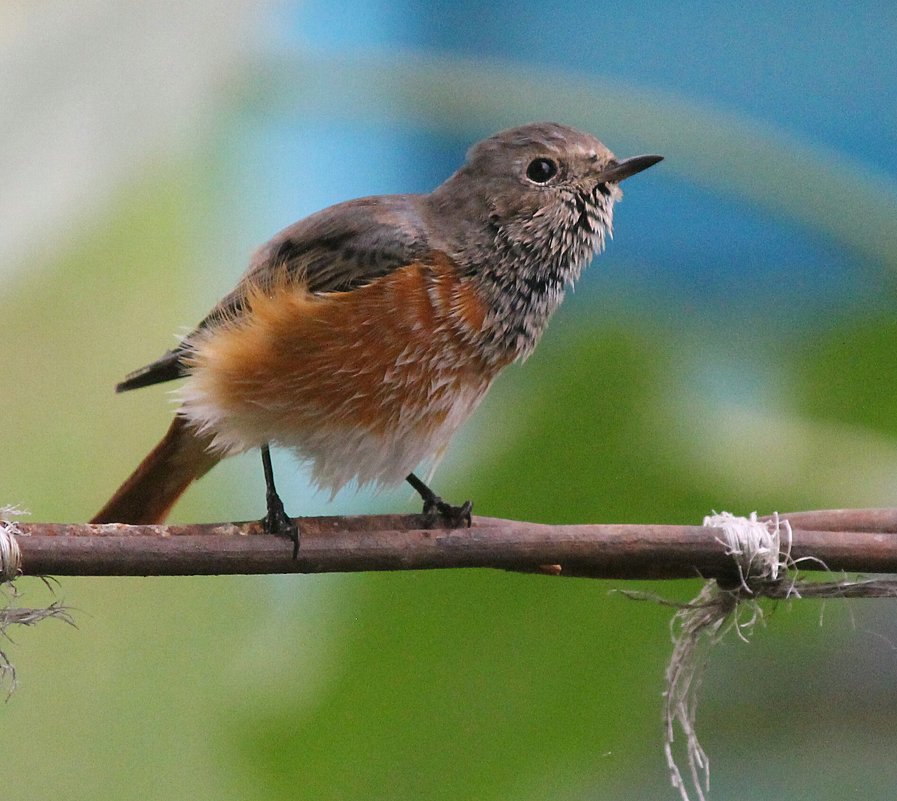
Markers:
point(862, 540)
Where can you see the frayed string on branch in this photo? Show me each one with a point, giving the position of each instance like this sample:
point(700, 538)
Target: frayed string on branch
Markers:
point(11, 615)
point(761, 551)
point(10, 555)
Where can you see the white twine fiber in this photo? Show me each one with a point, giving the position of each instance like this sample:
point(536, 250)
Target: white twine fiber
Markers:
point(10, 555)
point(11, 615)
point(761, 550)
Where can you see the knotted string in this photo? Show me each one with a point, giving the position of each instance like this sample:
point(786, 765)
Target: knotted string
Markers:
point(10, 555)
point(761, 550)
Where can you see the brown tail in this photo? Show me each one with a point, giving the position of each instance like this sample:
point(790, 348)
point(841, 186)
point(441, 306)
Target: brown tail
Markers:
point(160, 479)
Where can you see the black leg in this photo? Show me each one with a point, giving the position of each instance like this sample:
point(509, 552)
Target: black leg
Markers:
point(276, 521)
point(455, 516)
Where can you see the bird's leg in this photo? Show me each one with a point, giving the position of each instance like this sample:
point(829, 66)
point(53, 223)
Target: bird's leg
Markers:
point(455, 516)
point(276, 521)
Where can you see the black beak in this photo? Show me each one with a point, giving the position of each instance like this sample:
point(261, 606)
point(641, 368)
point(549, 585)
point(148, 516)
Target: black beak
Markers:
point(616, 171)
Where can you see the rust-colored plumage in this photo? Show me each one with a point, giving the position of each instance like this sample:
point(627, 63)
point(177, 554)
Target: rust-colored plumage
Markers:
point(363, 383)
point(160, 479)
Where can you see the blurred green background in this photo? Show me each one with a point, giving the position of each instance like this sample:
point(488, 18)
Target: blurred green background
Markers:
point(733, 349)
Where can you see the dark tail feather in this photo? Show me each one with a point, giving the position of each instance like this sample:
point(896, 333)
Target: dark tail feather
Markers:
point(166, 368)
point(152, 489)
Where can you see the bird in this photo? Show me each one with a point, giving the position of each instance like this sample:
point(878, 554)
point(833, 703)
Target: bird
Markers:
point(364, 335)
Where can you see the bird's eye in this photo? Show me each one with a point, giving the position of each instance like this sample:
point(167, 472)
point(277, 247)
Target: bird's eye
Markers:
point(541, 171)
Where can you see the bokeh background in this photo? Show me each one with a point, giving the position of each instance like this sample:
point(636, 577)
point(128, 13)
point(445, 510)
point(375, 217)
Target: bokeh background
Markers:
point(733, 349)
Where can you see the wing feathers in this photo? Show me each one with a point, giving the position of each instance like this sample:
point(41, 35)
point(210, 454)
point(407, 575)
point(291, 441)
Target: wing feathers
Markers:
point(336, 250)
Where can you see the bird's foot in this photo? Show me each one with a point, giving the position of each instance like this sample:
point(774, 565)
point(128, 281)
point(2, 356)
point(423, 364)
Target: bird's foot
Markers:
point(278, 523)
point(435, 507)
point(454, 516)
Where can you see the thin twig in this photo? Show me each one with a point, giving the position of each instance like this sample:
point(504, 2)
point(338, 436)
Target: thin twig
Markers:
point(839, 540)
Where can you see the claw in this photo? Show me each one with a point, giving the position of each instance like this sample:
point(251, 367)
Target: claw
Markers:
point(279, 524)
point(454, 516)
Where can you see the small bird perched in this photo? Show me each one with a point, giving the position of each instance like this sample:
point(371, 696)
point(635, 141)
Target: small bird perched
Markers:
point(362, 336)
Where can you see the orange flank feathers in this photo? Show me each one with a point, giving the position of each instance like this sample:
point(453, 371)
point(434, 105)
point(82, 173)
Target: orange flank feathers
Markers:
point(366, 383)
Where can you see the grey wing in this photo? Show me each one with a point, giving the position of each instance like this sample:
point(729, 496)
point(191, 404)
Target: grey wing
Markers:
point(338, 249)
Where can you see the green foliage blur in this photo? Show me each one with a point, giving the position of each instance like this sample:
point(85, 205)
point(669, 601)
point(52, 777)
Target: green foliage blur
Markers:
point(455, 685)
